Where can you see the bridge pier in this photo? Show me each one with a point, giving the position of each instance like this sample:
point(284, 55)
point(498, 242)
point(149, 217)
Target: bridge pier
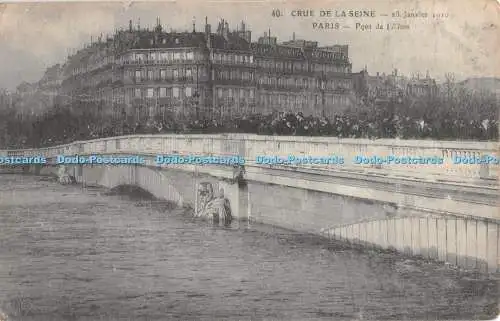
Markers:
point(237, 194)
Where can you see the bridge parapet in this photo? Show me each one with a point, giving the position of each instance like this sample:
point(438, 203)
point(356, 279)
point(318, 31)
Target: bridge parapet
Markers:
point(250, 146)
point(349, 148)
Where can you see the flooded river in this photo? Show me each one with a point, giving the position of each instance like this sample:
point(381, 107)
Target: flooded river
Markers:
point(68, 253)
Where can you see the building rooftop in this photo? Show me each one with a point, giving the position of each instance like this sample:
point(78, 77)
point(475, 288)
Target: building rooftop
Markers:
point(223, 38)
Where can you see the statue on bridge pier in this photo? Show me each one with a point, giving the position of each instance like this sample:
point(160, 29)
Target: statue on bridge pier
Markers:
point(213, 206)
point(64, 177)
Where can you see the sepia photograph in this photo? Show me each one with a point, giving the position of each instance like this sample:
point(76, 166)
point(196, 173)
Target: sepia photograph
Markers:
point(249, 160)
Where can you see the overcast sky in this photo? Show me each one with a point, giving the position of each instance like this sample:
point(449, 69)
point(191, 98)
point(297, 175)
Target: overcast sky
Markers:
point(36, 36)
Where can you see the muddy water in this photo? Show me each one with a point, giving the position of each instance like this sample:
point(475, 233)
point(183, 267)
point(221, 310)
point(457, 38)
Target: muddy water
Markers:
point(68, 253)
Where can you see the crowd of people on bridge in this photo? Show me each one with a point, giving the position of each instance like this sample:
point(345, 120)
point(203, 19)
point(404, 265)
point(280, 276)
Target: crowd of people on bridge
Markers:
point(428, 122)
point(57, 131)
point(342, 126)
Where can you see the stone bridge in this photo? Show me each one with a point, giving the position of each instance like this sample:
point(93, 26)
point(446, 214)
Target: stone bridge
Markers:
point(445, 212)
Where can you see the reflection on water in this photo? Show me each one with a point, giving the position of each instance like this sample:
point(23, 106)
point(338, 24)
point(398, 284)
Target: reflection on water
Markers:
point(73, 254)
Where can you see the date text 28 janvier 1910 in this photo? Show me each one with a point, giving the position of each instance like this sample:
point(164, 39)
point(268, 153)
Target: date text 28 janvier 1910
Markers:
point(340, 15)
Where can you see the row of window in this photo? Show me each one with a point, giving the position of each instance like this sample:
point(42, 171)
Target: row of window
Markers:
point(169, 56)
point(88, 68)
point(419, 90)
point(235, 93)
point(159, 56)
point(282, 65)
point(277, 64)
point(230, 58)
point(285, 81)
point(306, 82)
point(286, 66)
point(163, 74)
point(234, 74)
point(221, 58)
point(177, 92)
point(301, 66)
point(282, 51)
point(174, 92)
point(95, 61)
point(101, 59)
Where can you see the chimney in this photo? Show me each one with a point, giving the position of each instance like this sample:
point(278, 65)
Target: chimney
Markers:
point(207, 27)
point(130, 25)
point(225, 30)
point(220, 27)
point(208, 33)
point(194, 24)
point(293, 36)
point(158, 27)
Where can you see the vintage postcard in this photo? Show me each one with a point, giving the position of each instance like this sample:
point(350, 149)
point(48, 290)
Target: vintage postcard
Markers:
point(249, 160)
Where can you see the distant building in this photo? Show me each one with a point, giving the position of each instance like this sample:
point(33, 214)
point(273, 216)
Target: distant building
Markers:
point(421, 87)
point(25, 100)
point(6, 99)
point(382, 87)
point(26, 89)
point(297, 75)
point(38, 97)
point(50, 84)
point(483, 85)
point(140, 73)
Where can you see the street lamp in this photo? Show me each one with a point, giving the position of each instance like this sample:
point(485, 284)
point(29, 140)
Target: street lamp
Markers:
point(196, 95)
point(196, 102)
point(322, 86)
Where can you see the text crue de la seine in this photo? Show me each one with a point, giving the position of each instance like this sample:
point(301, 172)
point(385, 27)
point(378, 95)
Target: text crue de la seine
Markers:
point(336, 18)
point(333, 13)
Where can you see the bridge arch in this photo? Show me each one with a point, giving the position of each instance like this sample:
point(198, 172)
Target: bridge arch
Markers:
point(464, 241)
point(150, 179)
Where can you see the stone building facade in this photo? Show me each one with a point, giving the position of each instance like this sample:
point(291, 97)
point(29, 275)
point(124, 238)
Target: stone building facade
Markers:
point(34, 99)
point(140, 73)
point(383, 87)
